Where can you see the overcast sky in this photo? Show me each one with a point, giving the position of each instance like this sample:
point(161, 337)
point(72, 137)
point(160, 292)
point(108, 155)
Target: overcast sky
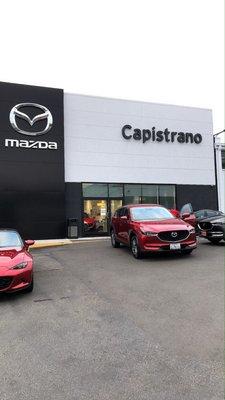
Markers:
point(166, 51)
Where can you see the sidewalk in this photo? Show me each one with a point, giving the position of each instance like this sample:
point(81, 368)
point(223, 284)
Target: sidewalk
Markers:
point(39, 244)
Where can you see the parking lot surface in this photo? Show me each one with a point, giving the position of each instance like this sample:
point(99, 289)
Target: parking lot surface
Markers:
point(102, 325)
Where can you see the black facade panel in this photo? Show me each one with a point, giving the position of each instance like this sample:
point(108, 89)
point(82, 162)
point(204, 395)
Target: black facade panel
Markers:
point(200, 196)
point(34, 177)
point(32, 188)
point(74, 203)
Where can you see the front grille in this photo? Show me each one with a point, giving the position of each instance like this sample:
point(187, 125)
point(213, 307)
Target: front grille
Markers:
point(216, 228)
point(173, 236)
point(5, 282)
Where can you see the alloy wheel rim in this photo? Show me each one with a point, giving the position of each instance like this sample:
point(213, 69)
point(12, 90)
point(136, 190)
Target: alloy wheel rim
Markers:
point(113, 238)
point(134, 247)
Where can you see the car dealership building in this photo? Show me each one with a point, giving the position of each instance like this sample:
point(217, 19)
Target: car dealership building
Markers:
point(74, 157)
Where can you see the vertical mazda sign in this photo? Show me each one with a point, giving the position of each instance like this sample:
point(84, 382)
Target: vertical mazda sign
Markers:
point(32, 188)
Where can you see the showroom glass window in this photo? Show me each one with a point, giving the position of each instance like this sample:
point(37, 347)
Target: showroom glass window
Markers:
point(95, 208)
point(95, 216)
point(167, 196)
point(98, 190)
point(150, 194)
point(101, 200)
point(115, 190)
point(132, 194)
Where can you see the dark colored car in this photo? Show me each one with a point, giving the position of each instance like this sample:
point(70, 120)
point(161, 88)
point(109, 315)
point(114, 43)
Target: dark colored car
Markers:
point(202, 214)
point(213, 228)
point(151, 228)
point(16, 263)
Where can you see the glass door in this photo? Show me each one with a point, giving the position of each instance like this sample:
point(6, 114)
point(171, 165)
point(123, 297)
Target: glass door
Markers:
point(114, 204)
point(95, 217)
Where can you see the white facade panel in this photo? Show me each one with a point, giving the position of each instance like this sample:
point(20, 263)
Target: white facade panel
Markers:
point(95, 150)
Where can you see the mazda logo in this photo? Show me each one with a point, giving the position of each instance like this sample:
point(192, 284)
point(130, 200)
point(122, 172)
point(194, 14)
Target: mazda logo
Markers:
point(44, 115)
point(174, 234)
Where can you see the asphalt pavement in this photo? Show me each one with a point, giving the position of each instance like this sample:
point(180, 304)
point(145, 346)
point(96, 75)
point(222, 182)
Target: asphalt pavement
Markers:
point(101, 325)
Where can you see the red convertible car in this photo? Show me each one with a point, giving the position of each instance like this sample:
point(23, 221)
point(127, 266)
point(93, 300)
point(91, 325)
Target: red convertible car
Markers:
point(16, 263)
point(89, 222)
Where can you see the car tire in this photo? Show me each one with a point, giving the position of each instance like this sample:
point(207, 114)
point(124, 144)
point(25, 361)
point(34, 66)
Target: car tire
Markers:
point(114, 242)
point(29, 289)
point(135, 249)
point(215, 241)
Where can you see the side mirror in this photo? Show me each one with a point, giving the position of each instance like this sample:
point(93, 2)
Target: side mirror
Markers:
point(185, 215)
point(29, 243)
point(175, 213)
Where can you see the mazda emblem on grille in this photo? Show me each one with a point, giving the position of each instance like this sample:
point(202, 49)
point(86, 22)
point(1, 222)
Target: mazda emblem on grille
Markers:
point(174, 234)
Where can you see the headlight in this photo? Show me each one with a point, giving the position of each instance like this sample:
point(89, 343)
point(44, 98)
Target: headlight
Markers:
point(148, 233)
point(20, 265)
point(192, 231)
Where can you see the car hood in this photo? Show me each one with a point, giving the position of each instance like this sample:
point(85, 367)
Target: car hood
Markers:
point(10, 257)
point(214, 220)
point(173, 224)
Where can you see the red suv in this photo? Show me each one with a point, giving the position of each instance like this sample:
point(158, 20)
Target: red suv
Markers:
point(151, 228)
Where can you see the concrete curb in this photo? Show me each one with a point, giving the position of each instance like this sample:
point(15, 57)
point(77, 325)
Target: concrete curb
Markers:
point(41, 244)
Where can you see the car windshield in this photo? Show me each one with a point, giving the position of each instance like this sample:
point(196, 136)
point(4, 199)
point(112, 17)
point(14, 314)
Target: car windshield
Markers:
point(150, 213)
point(10, 239)
point(207, 213)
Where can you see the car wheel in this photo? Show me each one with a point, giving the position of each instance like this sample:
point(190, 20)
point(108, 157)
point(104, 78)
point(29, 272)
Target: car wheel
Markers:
point(215, 241)
point(29, 289)
point(114, 242)
point(188, 251)
point(135, 249)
